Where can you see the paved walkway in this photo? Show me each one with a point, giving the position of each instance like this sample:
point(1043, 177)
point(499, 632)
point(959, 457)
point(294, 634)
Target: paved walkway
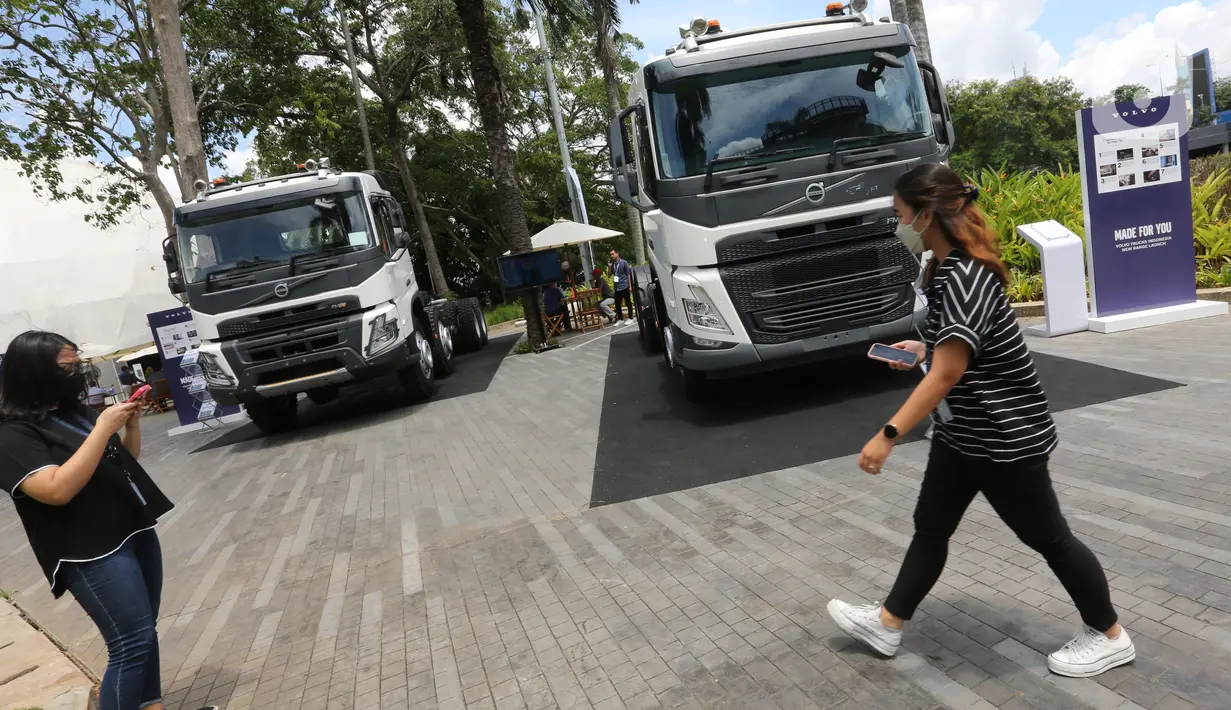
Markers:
point(444, 556)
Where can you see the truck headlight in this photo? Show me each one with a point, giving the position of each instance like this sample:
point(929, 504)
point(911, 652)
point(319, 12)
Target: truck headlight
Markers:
point(213, 372)
point(383, 332)
point(702, 313)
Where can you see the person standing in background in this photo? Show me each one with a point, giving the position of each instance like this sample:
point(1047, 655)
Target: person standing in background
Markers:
point(606, 297)
point(622, 275)
point(127, 380)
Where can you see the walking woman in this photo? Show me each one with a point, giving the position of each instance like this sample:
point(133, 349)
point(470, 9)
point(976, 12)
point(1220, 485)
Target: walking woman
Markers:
point(993, 434)
point(88, 507)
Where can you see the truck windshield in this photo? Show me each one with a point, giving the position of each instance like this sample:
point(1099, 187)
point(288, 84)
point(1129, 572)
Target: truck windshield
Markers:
point(790, 109)
point(273, 234)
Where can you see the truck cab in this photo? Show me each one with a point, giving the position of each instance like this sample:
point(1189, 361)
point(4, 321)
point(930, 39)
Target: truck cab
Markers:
point(303, 283)
point(763, 161)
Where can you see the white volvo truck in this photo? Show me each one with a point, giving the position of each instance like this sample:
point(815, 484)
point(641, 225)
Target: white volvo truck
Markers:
point(303, 283)
point(763, 161)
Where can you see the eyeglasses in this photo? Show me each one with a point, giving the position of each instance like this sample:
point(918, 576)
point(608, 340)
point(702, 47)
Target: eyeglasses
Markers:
point(73, 368)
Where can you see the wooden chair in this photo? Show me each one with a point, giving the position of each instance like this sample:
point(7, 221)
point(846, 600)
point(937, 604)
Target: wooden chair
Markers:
point(159, 400)
point(588, 315)
point(555, 325)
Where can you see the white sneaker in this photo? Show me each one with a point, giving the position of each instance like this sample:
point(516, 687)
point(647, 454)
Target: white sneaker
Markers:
point(1091, 653)
point(864, 624)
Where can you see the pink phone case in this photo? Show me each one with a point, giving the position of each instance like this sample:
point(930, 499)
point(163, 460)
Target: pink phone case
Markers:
point(141, 392)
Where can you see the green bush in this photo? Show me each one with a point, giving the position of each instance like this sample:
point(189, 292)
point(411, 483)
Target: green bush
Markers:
point(1012, 199)
point(503, 313)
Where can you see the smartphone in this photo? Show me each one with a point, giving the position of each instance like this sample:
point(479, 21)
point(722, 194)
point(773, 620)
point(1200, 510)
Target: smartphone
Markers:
point(888, 354)
point(141, 392)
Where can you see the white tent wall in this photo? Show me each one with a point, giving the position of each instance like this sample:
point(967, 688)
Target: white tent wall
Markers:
point(61, 273)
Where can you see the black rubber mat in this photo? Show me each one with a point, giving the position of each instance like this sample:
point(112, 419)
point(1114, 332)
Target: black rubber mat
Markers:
point(652, 440)
point(380, 399)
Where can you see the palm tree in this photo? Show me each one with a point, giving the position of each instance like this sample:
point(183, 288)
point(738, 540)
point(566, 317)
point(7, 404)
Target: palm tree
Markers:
point(606, 25)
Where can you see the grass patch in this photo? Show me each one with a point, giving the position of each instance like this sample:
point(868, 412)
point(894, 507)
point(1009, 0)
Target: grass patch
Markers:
point(523, 346)
point(503, 313)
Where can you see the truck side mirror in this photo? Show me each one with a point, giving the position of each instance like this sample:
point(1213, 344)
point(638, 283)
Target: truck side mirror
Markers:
point(624, 174)
point(942, 122)
point(170, 258)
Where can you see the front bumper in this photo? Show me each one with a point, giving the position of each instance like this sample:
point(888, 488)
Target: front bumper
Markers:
point(745, 358)
point(321, 355)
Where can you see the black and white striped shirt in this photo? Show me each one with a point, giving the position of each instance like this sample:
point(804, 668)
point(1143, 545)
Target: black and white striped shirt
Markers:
point(998, 409)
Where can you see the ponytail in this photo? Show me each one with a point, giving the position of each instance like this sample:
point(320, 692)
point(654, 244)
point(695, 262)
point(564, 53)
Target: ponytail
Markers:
point(935, 187)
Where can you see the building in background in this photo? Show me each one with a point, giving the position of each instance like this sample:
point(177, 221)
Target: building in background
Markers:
point(60, 273)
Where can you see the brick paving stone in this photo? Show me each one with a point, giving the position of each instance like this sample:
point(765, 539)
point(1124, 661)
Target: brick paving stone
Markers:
point(444, 556)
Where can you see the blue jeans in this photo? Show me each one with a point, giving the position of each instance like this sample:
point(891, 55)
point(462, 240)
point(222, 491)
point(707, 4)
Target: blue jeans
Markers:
point(121, 593)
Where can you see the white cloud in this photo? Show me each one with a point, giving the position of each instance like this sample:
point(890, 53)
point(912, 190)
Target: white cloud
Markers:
point(236, 161)
point(975, 39)
point(739, 147)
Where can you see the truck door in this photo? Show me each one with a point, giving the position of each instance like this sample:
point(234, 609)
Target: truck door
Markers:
point(396, 243)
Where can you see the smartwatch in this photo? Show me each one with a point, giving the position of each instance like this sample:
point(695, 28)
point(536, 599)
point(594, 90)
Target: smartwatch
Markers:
point(891, 432)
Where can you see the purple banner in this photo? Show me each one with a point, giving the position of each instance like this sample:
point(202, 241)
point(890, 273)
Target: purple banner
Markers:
point(1138, 206)
point(175, 336)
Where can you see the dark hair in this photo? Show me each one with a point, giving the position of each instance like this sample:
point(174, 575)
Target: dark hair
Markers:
point(30, 385)
point(937, 188)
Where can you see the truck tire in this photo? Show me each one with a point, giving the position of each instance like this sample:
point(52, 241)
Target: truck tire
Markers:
point(647, 328)
point(478, 310)
point(469, 326)
point(442, 344)
point(696, 386)
point(419, 380)
point(274, 416)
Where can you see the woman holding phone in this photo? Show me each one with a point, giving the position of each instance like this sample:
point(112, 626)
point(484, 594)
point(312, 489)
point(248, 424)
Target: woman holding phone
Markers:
point(87, 506)
point(993, 436)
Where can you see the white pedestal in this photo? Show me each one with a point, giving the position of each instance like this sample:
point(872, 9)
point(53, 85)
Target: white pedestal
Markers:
point(1158, 316)
point(1064, 278)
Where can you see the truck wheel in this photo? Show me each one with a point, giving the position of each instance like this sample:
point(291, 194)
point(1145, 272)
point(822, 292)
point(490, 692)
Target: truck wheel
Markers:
point(419, 380)
point(442, 351)
point(469, 327)
point(696, 387)
point(478, 311)
point(647, 329)
point(274, 416)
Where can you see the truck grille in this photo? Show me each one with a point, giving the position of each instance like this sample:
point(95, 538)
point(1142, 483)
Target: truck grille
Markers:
point(825, 289)
point(271, 320)
point(282, 345)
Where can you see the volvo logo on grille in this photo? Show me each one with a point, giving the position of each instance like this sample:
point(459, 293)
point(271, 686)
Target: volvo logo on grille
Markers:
point(815, 193)
point(282, 290)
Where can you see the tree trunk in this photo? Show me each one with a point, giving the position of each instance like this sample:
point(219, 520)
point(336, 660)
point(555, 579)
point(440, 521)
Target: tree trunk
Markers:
point(393, 139)
point(910, 12)
point(487, 85)
point(607, 60)
point(189, 146)
point(166, 203)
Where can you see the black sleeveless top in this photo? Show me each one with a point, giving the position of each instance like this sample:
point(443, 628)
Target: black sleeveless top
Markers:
point(117, 502)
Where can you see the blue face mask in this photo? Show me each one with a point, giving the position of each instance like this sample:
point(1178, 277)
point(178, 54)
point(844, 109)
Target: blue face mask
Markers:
point(911, 237)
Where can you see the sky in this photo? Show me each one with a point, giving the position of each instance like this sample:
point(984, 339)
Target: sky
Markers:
point(1100, 44)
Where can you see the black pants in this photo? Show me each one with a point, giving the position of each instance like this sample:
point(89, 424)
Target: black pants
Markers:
point(621, 297)
point(1022, 495)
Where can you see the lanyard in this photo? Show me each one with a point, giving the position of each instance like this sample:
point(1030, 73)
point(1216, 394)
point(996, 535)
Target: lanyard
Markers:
point(80, 420)
point(86, 433)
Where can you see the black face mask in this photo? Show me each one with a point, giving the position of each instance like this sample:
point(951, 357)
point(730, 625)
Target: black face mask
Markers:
point(72, 386)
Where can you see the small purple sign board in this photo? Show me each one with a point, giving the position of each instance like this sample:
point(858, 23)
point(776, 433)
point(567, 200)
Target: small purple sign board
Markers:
point(1138, 205)
point(175, 336)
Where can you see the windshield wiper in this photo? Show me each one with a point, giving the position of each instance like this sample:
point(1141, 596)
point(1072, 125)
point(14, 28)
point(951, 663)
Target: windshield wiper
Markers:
point(311, 255)
point(871, 140)
point(719, 160)
point(243, 266)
